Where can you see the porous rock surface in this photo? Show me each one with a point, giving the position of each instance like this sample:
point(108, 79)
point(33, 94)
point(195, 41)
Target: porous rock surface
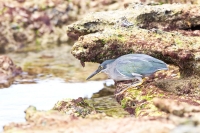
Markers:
point(180, 118)
point(166, 32)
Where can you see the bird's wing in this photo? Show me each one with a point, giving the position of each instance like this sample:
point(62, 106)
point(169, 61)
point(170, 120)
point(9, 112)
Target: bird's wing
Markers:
point(139, 66)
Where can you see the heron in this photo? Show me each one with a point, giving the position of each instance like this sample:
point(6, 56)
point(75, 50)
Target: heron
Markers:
point(130, 67)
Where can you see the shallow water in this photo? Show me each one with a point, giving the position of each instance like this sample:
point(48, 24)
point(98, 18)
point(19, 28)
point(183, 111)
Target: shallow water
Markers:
point(43, 95)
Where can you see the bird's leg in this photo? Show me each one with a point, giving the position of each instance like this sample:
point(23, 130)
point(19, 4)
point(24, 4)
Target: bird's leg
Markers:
point(139, 82)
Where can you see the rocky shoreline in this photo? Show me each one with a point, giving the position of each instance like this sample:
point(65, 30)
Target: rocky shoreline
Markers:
point(167, 102)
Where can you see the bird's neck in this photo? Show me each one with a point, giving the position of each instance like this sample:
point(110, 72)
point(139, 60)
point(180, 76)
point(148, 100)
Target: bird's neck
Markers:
point(107, 64)
point(108, 68)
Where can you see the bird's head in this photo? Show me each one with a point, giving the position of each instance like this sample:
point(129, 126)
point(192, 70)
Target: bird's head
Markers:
point(102, 67)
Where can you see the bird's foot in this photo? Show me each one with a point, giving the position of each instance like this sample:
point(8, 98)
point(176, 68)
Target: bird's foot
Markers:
point(132, 86)
point(121, 92)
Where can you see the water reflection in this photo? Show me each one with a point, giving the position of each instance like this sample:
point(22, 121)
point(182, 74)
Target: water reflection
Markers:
point(43, 95)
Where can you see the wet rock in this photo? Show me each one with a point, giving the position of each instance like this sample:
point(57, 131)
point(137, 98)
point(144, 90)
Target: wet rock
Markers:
point(179, 108)
point(184, 114)
point(77, 107)
point(95, 108)
point(181, 86)
point(8, 70)
point(140, 100)
point(155, 32)
point(54, 121)
point(107, 107)
point(106, 91)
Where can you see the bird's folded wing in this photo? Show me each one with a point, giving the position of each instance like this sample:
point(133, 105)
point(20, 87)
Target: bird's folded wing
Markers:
point(138, 66)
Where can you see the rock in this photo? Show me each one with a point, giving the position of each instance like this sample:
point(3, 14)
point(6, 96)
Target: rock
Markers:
point(3, 43)
point(54, 121)
point(175, 107)
point(34, 25)
point(8, 70)
point(95, 108)
point(76, 107)
point(168, 32)
point(155, 32)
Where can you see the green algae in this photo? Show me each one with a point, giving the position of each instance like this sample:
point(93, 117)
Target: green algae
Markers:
point(108, 105)
point(86, 107)
point(127, 102)
point(78, 107)
point(140, 101)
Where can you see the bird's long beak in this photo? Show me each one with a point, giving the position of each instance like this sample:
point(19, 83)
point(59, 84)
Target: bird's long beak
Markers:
point(94, 73)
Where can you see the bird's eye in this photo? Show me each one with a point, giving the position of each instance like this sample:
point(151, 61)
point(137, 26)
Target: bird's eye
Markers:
point(101, 67)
